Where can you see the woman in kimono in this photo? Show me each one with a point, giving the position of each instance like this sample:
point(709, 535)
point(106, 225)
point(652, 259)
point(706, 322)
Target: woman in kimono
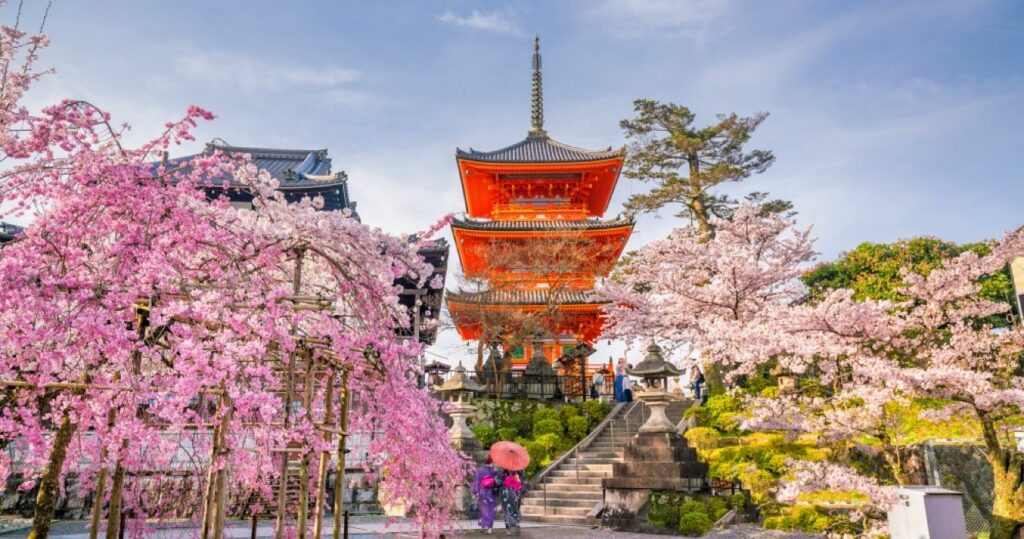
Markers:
point(512, 488)
point(484, 487)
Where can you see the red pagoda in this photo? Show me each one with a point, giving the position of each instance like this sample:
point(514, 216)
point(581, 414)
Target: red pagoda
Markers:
point(531, 195)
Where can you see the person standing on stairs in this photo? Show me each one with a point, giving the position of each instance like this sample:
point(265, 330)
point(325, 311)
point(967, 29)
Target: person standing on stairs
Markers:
point(512, 486)
point(485, 486)
point(696, 379)
point(627, 386)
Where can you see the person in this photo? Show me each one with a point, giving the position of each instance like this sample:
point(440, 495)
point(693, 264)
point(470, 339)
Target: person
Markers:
point(593, 388)
point(696, 379)
point(512, 486)
point(599, 382)
point(620, 373)
point(627, 387)
point(484, 488)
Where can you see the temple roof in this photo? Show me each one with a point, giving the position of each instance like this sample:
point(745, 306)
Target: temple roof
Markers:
point(8, 232)
point(538, 149)
point(523, 297)
point(298, 172)
point(540, 225)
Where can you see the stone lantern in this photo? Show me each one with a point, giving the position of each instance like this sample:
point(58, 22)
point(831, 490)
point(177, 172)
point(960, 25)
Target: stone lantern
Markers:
point(458, 389)
point(655, 372)
point(541, 378)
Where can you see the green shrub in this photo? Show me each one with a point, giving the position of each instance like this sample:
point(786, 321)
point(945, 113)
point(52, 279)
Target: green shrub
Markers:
point(485, 434)
point(551, 442)
point(544, 414)
point(703, 437)
point(538, 454)
point(716, 508)
point(664, 510)
point(548, 426)
point(568, 411)
point(508, 433)
point(577, 427)
point(738, 501)
point(694, 524)
point(595, 410)
point(692, 506)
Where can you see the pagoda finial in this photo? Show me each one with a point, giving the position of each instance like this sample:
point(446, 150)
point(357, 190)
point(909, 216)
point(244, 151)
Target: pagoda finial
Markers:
point(537, 101)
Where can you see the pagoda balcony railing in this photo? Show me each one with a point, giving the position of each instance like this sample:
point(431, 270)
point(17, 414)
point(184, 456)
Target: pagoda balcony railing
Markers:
point(550, 210)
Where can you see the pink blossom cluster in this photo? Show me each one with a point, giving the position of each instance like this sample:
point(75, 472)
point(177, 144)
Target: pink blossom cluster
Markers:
point(145, 314)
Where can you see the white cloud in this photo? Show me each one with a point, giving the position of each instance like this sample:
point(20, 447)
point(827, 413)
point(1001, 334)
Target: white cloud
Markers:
point(639, 18)
point(251, 74)
point(496, 22)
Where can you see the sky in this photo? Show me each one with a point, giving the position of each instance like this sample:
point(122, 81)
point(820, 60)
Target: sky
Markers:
point(889, 119)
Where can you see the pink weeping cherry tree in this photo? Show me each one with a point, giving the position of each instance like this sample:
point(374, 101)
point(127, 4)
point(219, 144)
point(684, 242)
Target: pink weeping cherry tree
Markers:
point(149, 331)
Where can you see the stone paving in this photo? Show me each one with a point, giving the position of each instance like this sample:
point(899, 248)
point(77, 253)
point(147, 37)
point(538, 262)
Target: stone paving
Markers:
point(375, 527)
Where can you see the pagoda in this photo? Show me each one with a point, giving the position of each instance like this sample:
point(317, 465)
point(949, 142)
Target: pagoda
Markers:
point(527, 203)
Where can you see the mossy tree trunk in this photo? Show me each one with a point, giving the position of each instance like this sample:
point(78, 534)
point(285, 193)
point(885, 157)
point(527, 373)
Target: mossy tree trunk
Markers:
point(46, 499)
point(1007, 482)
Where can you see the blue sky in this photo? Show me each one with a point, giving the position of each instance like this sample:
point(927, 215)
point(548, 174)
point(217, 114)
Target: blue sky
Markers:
point(888, 119)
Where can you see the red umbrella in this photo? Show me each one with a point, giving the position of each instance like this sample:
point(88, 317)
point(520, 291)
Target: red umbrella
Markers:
point(509, 455)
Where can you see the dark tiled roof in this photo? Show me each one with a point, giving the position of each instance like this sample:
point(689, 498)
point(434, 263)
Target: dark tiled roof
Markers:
point(299, 172)
point(523, 297)
point(8, 232)
point(538, 149)
point(539, 225)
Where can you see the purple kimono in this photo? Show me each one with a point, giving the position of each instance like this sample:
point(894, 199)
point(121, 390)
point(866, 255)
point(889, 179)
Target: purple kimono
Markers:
point(483, 488)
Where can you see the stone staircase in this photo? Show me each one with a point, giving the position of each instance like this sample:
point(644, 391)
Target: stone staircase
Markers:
point(568, 492)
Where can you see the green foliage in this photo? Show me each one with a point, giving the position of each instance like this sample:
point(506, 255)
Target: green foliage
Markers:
point(485, 434)
point(738, 501)
point(675, 510)
point(685, 162)
point(719, 413)
point(714, 382)
point(545, 414)
point(664, 509)
point(759, 460)
point(577, 427)
point(548, 426)
point(695, 524)
point(538, 454)
point(595, 411)
point(872, 270)
point(810, 519)
point(568, 411)
point(703, 438)
point(508, 433)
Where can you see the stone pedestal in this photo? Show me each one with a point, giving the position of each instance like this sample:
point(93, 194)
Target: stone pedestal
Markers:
point(653, 460)
point(657, 400)
point(462, 438)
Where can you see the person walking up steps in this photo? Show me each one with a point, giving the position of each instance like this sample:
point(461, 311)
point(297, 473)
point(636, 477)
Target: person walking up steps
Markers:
point(484, 488)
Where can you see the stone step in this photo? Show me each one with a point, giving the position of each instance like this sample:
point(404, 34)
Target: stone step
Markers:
point(591, 494)
point(570, 472)
point(562, 519)
point(599, 454)
point(559, 502)
point(556, 511)
point(560, 482)
point(571, 462)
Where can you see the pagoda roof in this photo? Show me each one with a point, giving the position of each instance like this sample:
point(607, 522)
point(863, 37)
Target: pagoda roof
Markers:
point(540, 225)
point(538, 148)
point(524, 297)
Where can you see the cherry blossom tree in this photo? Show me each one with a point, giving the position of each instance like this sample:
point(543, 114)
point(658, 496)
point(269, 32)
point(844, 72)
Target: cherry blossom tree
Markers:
point(143, 322)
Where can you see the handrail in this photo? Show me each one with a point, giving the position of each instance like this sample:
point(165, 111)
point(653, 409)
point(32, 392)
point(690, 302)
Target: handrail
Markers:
point(585, 442)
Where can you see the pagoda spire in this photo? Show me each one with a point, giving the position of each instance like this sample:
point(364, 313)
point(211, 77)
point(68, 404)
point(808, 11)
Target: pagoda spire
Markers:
point(537, 98)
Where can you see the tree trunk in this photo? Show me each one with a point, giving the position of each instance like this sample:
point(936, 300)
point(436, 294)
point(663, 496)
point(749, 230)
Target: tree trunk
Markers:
point(46, 500)
point(1008, 493)
point(114, 511)
point(1007, 482)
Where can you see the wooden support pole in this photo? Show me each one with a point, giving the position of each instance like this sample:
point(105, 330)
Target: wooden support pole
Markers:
point(101, 484)
point(282, 491)
point(339, 474)
point(307, 405)
point(321, 475)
